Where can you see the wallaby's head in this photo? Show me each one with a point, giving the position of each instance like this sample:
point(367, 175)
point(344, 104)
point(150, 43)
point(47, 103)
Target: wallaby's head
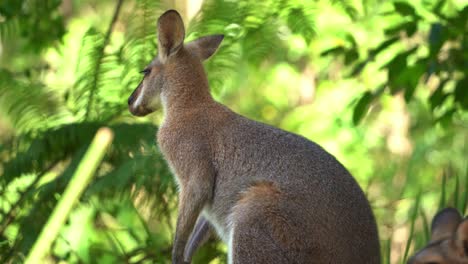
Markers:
point(177, 65)
point(449, 240)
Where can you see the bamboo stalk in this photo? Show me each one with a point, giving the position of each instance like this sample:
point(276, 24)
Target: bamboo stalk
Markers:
point(75, 188)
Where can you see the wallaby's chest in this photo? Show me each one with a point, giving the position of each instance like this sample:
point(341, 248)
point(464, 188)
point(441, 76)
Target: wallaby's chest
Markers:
point(173, 143)
point(183, 147)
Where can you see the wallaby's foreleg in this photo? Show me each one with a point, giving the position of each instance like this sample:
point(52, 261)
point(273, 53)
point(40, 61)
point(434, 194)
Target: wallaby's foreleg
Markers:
point(196, 190)
point(190, 207)
point(200, 234)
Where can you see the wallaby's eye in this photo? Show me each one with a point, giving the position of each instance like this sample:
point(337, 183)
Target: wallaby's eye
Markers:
point(146, 71)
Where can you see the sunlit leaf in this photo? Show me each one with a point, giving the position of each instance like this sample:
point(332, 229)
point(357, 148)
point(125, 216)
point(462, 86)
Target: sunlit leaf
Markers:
point(404, 9)
point(362, 107)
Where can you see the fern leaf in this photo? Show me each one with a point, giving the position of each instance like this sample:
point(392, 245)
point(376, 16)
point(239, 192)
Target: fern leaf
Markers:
point(30, 106)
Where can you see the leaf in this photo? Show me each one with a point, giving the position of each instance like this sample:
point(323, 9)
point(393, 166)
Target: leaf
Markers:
point(395, 69)
point(404, 9)
point(443, 194)
point(437, 37)
point(456, 191)
point(362, 107)
point(383, 45)
point(446, 118)
point(333, 51)
point(388, 247)
point(36, 24)
point(44, 202)
point(414, 214)
point(399, 73)
point(409, 27)
point(411, 76)
point(56, 144)
point(461, 93)
point(359, 67)
point(9, 29)
point(431, 69)
point(30, 105)
point(438, 96)
point(351, 56)
point(301, 20)
point(438, 8)
point(464, 202)
point(350, 38)
point(426, 226)
point(347, 6)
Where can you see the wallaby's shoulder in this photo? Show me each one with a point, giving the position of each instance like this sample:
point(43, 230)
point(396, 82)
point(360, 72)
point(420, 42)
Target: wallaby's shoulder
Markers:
point(261, 133)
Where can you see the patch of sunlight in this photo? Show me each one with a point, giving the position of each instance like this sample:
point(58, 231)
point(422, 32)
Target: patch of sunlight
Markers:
point(297, 47)
point(62, 60)
point(283, 85)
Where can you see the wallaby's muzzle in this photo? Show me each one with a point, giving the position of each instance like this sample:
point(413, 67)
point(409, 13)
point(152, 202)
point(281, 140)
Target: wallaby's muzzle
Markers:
point(136, 103)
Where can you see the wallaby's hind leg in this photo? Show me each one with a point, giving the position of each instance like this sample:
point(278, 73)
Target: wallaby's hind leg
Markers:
point(262, 233)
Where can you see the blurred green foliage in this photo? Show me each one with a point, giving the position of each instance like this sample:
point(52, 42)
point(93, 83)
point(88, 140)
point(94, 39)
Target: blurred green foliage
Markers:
point(381, 85)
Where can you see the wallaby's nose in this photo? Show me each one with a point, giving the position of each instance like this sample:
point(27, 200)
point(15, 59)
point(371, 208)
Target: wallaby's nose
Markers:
point(134, 95)
point(131, 98)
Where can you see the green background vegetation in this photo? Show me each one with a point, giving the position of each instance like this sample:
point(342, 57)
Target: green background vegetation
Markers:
point(382, 85)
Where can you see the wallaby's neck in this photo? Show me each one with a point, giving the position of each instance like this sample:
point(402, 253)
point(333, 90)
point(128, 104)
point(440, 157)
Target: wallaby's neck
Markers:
point(185, 96)
point(187, 89)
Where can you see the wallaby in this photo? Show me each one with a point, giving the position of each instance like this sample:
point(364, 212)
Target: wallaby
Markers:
point(449, 240)
point(272, 196)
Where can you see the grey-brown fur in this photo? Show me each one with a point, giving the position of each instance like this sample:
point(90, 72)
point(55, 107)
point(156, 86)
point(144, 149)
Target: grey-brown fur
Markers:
point(449, 240)
point(273, 196)
point(200, 234)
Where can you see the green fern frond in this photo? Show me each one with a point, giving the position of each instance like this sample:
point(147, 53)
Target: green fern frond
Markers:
point(142, 28)
point(263, 43)
point(347, 6)
point(97, 70)
point(139, 47)
point(146, 172)
point(133, 161)
point(300, 18)
point(44, 202)
point(88, 72)
point(58, 144)
point(214, 17)
point(97, 90)
point(9, 29)
point(30, 105)
point(242, 26)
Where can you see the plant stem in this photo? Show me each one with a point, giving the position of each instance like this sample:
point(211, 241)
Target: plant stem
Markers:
point(75, 188)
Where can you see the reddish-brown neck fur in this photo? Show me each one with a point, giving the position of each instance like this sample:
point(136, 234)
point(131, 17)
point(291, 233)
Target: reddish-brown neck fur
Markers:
point(187, 85)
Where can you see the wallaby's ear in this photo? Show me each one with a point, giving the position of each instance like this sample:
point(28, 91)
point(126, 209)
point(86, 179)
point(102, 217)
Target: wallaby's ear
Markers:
point(461, 238)
point(171, 33)
point(206, 46)
point(445, 223)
